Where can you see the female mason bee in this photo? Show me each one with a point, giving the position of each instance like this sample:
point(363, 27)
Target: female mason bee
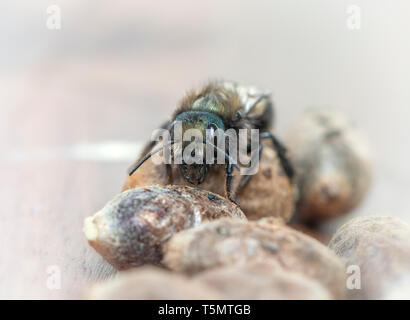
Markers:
point(221, 105)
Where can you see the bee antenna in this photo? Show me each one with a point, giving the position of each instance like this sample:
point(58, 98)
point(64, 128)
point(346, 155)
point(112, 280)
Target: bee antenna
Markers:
point(172, 124)
point(147, 156)
point(227, 156)
point(261, 97)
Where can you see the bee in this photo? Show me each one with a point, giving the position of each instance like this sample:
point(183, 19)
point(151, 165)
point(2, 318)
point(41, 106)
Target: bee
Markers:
point(222, 105)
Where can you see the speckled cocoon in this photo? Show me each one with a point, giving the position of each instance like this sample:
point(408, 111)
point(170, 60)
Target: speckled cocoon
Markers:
point(262, 280)
point(332, 163)
point(380, 248)
point(233, 242)
point(151, 283)
point(269, 193)
point(132, 228)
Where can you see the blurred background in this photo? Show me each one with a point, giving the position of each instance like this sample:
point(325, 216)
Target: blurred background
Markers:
point(77, 102)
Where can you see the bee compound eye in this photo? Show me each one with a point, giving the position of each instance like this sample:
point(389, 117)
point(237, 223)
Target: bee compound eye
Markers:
point(237, 116)
point(212, 126)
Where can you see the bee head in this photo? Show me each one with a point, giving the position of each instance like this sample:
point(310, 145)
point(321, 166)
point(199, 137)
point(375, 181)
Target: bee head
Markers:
point(196, 127)
point(194, 173)
point(200, 121)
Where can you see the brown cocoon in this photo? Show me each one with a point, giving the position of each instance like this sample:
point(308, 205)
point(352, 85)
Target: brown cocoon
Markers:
point(262, 281)
point(151, 283)
point(269, 193)
point(380, 248)
point(132, 228)
point(229, 241)
point(332, 164)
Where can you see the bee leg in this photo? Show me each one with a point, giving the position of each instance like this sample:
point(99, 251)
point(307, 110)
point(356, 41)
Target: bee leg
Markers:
point(246, 178)
point(229, 176)
point(281, 151)
point(169, 173)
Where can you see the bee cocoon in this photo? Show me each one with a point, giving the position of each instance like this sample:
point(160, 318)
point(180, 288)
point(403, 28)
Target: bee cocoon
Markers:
point(132, 228)
point(268, 193)
point(252, 281)
point(379, 250)
point(151, 283)
point(262, 281)
point(233, 242)
point(332, 164)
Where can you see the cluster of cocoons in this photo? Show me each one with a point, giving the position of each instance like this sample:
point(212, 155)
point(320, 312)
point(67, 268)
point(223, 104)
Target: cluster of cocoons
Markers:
point(180, 242)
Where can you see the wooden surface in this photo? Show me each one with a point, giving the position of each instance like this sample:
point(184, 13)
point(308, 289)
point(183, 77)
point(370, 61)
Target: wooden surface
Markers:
point(76, 103)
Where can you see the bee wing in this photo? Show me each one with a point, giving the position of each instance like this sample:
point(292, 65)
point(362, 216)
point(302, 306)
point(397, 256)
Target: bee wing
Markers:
point(255, 102)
